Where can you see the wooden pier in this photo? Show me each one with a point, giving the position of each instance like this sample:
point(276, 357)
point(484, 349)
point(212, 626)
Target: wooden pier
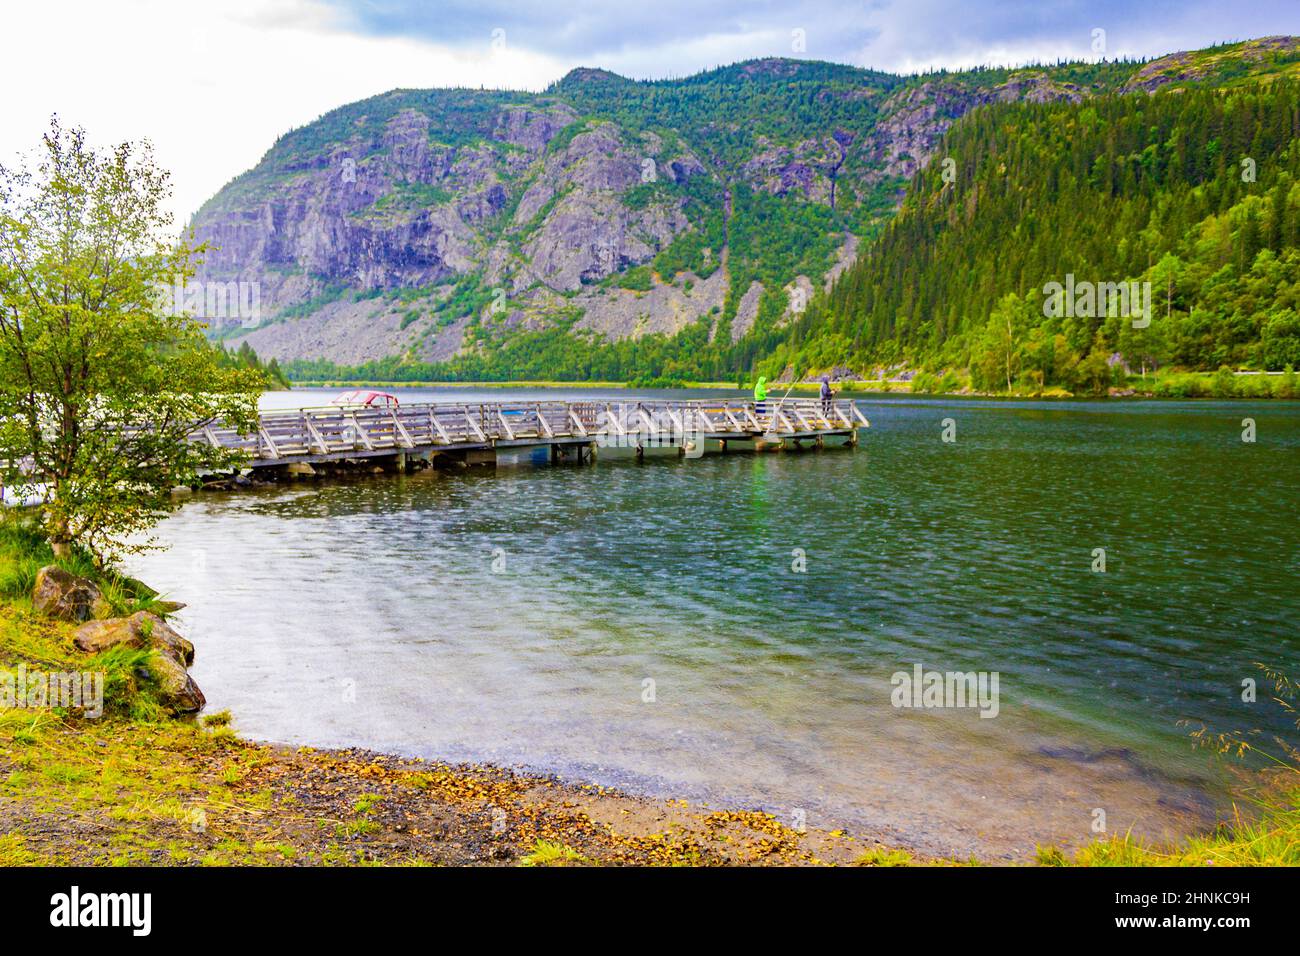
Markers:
point(475, 432)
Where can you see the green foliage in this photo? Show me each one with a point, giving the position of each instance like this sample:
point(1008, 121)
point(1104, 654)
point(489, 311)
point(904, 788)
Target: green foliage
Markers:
point(547, 853)
point(245, 357)
point(655, 381)
point(699, 249)
point(332, 292)
point(881, 856)
point(558, 353)
point(1268, 837)
point(648, 194)
point(638, 279)
point(1121, 187)
point(408, 197)
point(467, 298)
point(562, 140)
point(126, 692)
point(28, 638)
point(530, 228)
point(457, 117)
point(99, 385)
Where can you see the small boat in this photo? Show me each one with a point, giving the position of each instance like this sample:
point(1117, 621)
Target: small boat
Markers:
point(366, 398)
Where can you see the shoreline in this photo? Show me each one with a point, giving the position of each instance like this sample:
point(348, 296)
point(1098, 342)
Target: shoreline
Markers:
point(138, 774)
point(856, 387)
point(138, 781)
point(197, 793)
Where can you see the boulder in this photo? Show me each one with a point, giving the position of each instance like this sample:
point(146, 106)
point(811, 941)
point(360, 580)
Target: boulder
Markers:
point(142, 629)
point(172, 653)
point(164, 638)
point(96, 636)
point(179, 692)
point(64, 595)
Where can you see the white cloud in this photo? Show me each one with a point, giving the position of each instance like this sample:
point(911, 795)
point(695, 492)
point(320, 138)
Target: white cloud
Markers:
point(213, 84)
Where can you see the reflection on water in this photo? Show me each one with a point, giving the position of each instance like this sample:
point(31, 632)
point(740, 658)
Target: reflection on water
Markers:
point(516, 615)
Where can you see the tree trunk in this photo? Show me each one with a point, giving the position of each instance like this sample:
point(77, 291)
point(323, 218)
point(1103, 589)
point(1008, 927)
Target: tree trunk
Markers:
point(59, 533)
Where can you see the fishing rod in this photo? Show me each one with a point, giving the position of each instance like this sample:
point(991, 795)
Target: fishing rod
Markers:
point(771, 419)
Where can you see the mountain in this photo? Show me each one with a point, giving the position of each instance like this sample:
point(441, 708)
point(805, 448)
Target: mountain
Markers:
point(610, 228)
point(1190, 197)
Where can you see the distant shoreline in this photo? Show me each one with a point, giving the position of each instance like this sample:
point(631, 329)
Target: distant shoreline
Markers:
point(1202, 388)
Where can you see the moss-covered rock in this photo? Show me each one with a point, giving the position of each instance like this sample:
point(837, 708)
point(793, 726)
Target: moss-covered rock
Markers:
point(171, 654)
point(141, 629)
point(176, 687)
point(63, 595)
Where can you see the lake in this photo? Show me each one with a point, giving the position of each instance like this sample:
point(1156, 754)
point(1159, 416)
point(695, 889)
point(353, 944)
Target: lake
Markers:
point(727, 629)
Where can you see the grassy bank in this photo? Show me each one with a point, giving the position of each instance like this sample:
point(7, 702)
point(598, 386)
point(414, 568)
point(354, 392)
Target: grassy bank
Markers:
point(1224, 383)
point(135, 786)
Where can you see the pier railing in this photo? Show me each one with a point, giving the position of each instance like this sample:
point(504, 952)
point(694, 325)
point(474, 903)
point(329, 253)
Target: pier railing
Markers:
point(334, 431)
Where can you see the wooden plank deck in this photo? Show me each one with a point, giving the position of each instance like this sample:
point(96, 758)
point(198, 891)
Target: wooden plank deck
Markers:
point(334, 432)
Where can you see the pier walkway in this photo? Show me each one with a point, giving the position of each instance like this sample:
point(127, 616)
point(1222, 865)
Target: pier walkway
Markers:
point(339, 433)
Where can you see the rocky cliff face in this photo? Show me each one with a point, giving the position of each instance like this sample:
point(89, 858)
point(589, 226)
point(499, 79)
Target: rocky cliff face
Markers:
point(1274, 55)
point(424, 223)
point(401, 214)
point(917, 116)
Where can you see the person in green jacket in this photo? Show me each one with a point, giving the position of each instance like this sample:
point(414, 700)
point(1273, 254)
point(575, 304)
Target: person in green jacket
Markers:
point(760, 395)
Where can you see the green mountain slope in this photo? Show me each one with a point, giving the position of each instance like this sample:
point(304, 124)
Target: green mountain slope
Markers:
point(1196, 192)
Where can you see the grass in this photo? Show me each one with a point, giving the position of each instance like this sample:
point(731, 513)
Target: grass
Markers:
point(1269, 837)
point(880, 856)
point(14, 851)
point(1272, 841)
point(24, 551)
point(546, 853)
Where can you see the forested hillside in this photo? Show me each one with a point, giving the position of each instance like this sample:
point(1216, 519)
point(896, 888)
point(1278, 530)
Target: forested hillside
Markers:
point(1196, 192)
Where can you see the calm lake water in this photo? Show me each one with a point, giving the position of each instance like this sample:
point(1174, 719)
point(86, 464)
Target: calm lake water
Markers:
point(515, 615)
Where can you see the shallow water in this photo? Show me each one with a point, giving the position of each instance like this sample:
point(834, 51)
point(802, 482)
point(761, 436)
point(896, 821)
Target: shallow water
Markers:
point(515, 615)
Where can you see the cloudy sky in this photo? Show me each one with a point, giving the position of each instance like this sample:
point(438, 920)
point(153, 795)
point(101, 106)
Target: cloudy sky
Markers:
point(212, 84)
